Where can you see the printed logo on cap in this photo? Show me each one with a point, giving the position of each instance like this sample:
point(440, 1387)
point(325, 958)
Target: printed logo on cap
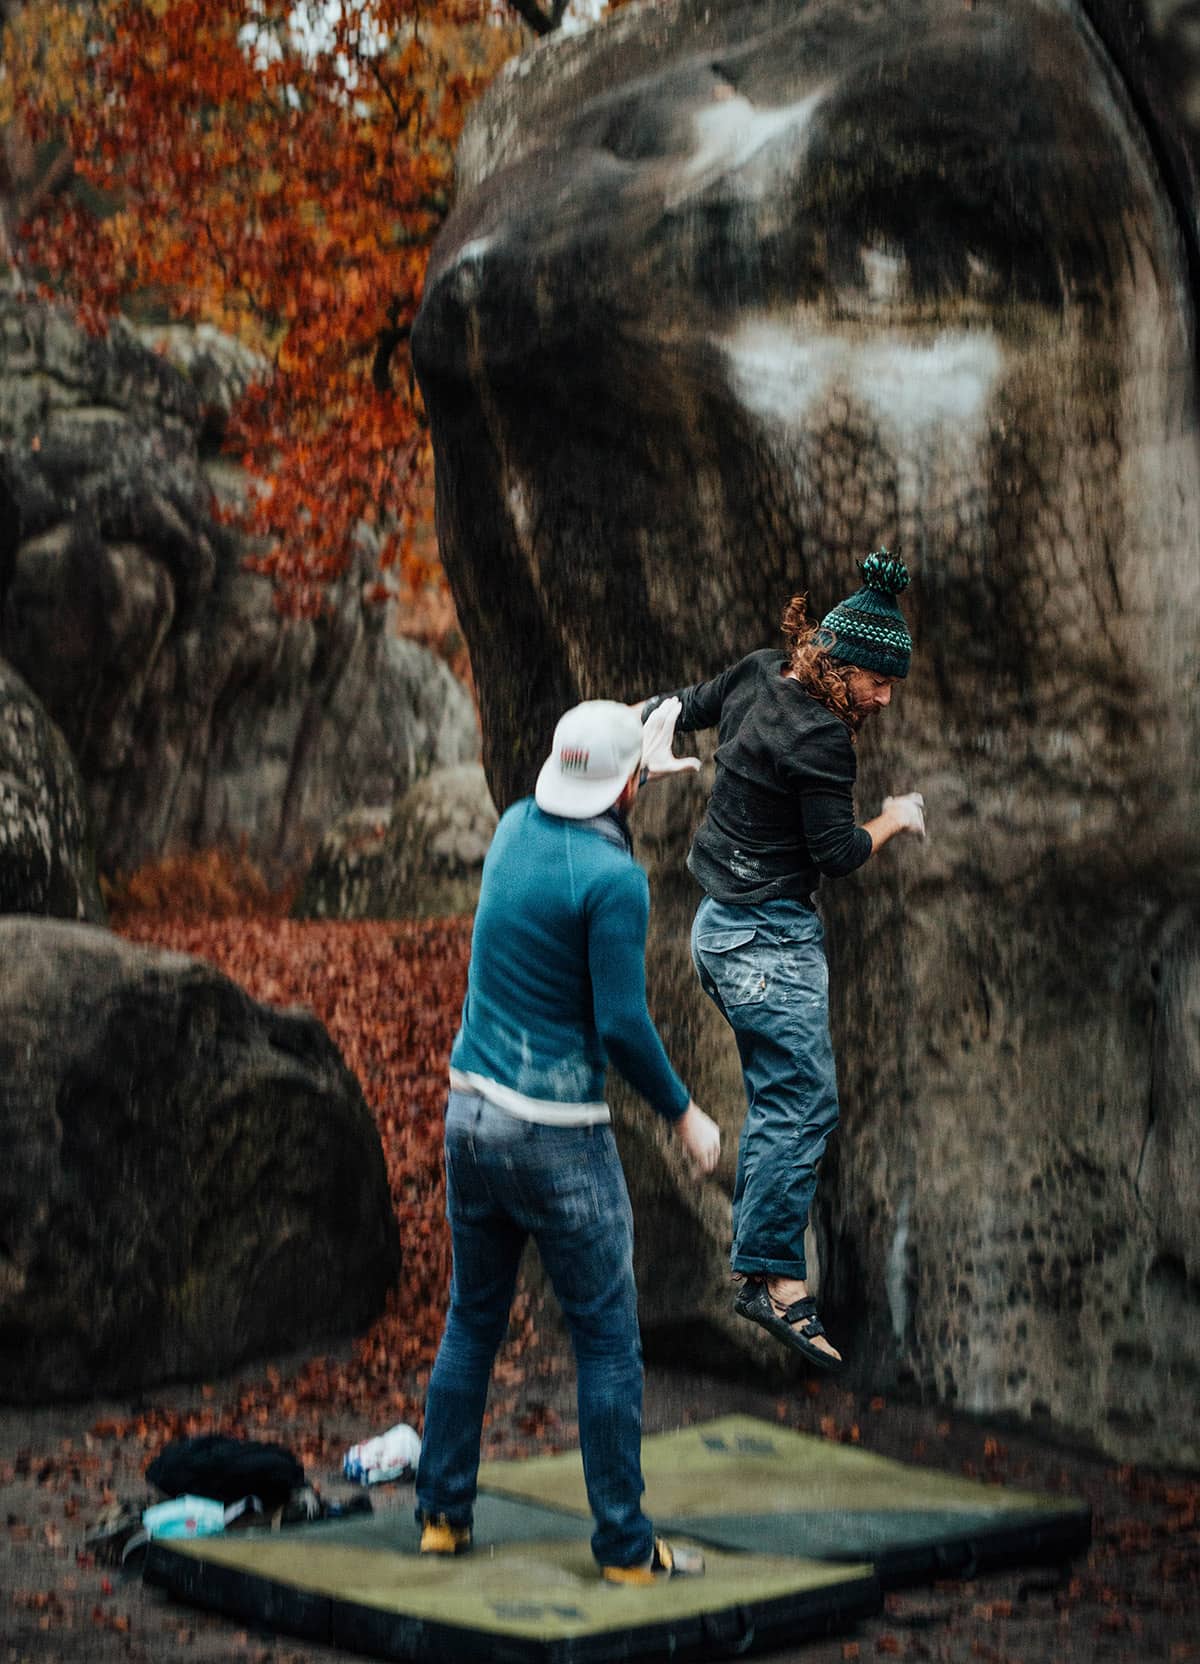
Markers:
point(573, 759)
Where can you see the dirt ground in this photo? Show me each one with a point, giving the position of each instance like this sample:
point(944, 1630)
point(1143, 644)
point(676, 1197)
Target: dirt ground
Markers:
point(1134, 1597)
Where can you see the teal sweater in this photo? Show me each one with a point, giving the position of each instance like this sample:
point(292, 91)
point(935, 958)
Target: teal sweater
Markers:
point(557, 982)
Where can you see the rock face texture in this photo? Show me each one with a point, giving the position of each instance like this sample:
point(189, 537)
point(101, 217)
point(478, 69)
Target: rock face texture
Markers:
point(47, 864)
point(420, 858)
point(732, 295)
point(191, 1178)
point(198, 715)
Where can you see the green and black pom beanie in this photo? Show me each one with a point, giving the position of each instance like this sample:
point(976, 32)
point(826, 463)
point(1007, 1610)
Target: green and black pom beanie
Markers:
point(867, 628)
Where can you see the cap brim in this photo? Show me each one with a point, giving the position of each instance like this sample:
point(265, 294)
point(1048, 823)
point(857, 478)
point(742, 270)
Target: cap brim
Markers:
point(574, 799)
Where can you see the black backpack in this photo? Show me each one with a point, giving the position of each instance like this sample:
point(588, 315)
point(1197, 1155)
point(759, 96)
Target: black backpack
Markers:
point(226, 1469)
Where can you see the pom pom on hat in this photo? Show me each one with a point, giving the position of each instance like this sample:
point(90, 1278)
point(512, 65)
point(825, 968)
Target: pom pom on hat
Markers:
point(867, 629)
point(884, 572)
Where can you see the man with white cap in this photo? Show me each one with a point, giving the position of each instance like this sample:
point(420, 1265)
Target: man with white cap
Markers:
point(556, 989)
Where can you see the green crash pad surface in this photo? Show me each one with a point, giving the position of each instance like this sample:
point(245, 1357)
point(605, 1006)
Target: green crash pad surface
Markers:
point(741, 1483)
point(529, 1590)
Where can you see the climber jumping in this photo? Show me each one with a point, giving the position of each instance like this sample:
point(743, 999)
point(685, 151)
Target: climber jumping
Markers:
point(781, 817)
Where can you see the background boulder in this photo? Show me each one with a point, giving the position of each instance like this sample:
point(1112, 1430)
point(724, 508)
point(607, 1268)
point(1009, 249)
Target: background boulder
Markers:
point(47, 863)
point(191, 1178)
point(198, 715)
point(732, 295)
point(348, 876)
point(421, 857)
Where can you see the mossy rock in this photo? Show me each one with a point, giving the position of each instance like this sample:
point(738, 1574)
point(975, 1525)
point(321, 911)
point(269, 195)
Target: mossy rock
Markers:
point(420, 858)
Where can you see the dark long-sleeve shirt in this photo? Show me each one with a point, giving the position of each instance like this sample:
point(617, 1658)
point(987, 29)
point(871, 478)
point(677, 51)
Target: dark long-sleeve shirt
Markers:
point(781, 814)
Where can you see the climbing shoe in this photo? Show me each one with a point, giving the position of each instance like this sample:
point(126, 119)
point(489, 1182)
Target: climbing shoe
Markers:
point(666, 1560)
point(797, 1325)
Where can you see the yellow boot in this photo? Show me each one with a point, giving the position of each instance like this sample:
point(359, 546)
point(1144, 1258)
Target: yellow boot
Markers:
point(666, 1560)
point(438, 1536)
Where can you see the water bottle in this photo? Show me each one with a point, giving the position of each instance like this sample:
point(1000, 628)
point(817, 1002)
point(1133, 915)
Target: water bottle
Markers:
point(393, 1455)
point(185, 1516)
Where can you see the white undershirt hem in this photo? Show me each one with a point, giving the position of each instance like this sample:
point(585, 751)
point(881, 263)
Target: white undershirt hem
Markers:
point(545, 1111)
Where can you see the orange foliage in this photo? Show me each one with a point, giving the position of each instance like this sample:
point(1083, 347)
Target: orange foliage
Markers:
point(286, 184)
point(206, 883)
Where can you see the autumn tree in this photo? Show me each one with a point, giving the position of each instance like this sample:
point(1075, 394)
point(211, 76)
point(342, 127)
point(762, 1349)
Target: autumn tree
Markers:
point(30, 173)
point(277, 168)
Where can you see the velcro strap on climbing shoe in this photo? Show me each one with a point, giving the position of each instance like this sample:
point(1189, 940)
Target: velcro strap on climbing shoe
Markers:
point(806, 1308)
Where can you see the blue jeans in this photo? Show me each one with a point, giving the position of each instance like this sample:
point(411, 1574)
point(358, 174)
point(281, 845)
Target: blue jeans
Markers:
point(764, 968)
point(507, 1180)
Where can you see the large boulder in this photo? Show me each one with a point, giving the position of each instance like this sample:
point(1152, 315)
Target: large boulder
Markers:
point(731, 295)
point(418, 858)
point(191, 1178)
point(217, 368)
point(198, 714)
point(47, 862)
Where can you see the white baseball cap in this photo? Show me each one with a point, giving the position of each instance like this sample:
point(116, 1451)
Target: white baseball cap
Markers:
point(597, 746)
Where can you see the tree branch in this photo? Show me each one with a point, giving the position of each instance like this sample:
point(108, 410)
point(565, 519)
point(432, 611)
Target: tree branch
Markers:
point(541, 22)
point(386, 343)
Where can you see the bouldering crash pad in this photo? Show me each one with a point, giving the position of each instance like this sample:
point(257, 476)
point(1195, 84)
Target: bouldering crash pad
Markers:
point(529, 1589)
point(741, 1483)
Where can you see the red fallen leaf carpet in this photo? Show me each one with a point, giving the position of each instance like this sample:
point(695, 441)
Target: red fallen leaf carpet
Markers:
point(389, 994)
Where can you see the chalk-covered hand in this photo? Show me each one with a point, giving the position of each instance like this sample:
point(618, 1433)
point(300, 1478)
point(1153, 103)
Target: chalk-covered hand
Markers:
point(658, 736)
point(909, 811)
point(700, 1136)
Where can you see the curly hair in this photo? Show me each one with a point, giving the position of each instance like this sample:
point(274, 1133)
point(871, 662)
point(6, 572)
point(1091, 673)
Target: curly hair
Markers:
point(818, 674)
